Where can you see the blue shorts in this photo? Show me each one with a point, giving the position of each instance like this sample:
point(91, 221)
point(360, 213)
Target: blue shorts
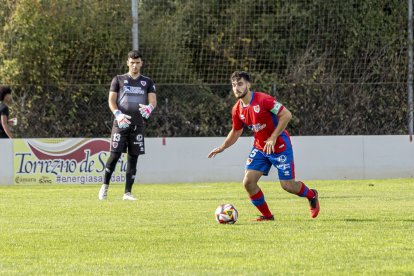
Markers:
point(283, 162)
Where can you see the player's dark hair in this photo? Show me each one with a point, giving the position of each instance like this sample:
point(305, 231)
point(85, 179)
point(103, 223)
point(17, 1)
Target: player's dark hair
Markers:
point(237, 75)
point(134, 54)
point(4, 90)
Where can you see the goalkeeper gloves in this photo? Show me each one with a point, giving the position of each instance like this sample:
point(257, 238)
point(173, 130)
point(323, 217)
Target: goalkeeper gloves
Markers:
point(122, 119)
point(146, 110)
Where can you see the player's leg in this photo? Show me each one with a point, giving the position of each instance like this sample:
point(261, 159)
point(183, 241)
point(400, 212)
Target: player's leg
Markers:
point(285, 166)
point(109, 169)
point(117, 148)
point(131, 171)
point(136, 147)
point(300, 189)
point(256, 166)
point(111, 165)
point(256, 195)
point(311, 195)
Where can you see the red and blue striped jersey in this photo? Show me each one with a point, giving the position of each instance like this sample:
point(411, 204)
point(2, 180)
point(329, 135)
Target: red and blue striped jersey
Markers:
point(258, 117)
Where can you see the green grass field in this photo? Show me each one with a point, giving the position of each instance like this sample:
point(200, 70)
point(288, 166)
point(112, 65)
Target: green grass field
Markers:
point(364, 227)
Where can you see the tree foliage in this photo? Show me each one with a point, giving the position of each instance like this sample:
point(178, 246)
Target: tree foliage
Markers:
point(339, 66)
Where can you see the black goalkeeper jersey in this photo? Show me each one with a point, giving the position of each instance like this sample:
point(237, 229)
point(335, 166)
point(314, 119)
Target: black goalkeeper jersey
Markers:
point(131, 93)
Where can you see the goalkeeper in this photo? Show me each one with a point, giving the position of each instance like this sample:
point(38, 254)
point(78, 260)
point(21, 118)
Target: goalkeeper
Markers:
point(132, 97)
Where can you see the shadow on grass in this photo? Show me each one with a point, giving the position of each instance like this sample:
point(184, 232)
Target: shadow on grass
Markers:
point(375, 220)
point(347, 197)
point(360, 220)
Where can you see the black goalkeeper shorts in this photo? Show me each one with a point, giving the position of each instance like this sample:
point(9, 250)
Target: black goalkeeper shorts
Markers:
point(131, 138)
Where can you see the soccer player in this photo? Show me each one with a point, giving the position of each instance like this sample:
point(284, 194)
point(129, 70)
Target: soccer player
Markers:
point(5, 100)
point(132, 97)
point(268, 119)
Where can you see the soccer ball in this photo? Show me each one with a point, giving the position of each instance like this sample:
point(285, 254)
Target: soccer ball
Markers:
point(226, 214)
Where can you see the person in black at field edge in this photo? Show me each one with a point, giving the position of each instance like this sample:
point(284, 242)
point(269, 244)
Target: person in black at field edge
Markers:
point(132, 97)
point(5, 100)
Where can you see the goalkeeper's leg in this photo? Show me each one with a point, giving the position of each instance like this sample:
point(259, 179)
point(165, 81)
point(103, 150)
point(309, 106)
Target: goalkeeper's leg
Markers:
point(109, 169)
point(131, 171)
point(110, 166)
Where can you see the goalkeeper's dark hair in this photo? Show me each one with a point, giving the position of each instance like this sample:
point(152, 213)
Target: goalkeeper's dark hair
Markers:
point(134, 54)
point(4, 90)
point(237, 75)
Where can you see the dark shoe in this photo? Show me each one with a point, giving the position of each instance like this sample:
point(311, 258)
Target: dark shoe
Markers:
point(314, 205)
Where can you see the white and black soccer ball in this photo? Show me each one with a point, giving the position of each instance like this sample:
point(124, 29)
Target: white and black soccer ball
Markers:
point(226, 214)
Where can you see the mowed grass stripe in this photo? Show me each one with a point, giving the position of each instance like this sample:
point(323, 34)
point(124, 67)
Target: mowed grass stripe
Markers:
point(364, 227)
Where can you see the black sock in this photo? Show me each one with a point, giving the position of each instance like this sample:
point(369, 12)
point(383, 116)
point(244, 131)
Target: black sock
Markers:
point(131, 172)
point(129, 182)
point(110, 166)
point(107, 176)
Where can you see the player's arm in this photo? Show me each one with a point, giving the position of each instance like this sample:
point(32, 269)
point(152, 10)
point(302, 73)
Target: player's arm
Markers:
point(284, 116)
point(152, 99)
point(146, 110)
point(5, 125)
point(228, 142)
point(121, 118)
point(113, 96)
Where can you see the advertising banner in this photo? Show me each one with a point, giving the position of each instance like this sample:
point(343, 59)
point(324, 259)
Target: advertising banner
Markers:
point(63, 161)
